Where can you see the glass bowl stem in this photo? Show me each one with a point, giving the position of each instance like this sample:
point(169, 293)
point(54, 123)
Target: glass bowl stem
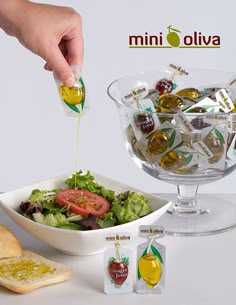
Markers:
point(186, 202)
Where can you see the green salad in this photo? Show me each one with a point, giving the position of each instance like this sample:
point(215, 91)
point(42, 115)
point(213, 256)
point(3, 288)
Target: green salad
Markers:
point(84, 205)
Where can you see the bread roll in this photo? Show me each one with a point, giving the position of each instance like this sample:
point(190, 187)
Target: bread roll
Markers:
point(9, 245)
point(30, 271)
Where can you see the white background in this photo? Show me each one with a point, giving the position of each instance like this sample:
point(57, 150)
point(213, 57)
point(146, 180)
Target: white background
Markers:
point(38, 140)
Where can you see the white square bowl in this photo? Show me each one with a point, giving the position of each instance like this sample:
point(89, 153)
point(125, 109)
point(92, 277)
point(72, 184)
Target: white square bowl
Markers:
point(71, 241)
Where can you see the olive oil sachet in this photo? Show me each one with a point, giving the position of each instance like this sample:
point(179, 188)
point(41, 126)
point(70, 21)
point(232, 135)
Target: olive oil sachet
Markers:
point(73, 98)
point(150, 261)
point(118, 277)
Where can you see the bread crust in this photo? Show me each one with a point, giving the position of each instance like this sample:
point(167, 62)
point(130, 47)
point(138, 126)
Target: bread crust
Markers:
point(61, 273)
point(9, 245)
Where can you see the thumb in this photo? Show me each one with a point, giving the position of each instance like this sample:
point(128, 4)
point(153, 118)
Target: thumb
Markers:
point(60, 67)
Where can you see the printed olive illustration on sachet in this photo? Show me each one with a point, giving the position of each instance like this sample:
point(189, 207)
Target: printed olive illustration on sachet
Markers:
point(164, 86)
point(169, 102)
point(72, 95)
point(191, 93)
point(150, 266)
point(172, 161)
point(158, 142)
point(199, 123)
point(172, 37)
point(197, 110)
point(215, 142)
point(150, 269)
point(118, 271)
point(144, 122)
point(118, 267)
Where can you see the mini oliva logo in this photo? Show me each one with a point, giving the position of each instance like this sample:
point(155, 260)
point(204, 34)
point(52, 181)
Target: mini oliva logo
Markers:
point(117, 237)
point(174, 38)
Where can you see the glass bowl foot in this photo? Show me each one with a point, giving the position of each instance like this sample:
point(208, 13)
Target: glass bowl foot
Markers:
point(216, 215)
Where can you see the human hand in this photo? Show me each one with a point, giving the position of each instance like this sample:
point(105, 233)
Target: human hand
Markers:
point(52, 32)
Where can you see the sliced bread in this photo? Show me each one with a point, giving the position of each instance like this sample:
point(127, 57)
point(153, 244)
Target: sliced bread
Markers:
point(31, 271)
point(9, 245)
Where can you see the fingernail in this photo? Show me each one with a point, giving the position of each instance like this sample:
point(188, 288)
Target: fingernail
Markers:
point(76, 71)
point(69, 81)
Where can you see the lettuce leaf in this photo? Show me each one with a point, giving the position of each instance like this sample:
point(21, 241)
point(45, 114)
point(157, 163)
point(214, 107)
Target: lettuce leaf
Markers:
point(107, 220)
point(56, 220)
point(86, 182)
point(131, 206)
point(38, 197)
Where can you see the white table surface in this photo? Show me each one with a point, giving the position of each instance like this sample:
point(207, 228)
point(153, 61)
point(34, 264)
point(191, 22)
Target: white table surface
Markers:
point(199, 270)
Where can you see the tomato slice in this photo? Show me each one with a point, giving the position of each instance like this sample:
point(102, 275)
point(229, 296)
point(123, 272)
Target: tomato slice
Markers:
point(83, 202)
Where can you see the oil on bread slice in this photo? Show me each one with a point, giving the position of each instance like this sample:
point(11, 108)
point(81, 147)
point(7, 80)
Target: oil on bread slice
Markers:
point(9, 245)
point(31, 271)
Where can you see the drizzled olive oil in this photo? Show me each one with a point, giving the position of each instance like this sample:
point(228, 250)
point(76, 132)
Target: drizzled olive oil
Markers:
point(77, 138)
point(24, 270)
point(74, 96)
point(73, 99)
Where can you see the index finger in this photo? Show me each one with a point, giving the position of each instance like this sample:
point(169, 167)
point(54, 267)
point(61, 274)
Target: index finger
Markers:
point(75, 51)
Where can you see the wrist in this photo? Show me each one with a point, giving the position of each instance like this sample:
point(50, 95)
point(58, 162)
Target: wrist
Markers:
point(11, 12)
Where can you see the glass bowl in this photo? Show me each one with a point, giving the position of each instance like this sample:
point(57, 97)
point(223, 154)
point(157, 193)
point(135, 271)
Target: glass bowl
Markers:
point(178, 127)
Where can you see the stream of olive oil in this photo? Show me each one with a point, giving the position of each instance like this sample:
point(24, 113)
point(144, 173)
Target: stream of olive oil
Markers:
point(77, 140)
point(74, 96)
